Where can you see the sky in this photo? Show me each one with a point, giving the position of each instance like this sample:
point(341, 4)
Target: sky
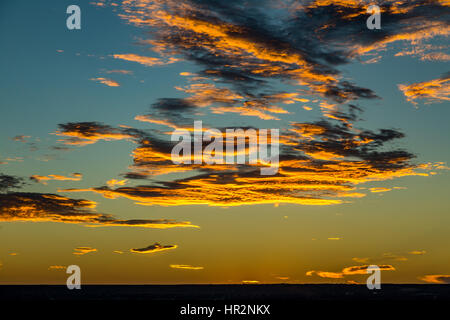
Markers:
point(86, 175)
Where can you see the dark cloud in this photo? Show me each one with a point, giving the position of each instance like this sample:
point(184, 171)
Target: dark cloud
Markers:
point(37, 207)
point(156, 247)
point(8, 182)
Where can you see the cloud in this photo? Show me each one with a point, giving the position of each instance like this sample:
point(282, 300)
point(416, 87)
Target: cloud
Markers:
point(241, 60)
point(383, 259)
point(107, 82)
point(21, 138)
point(8, 182)
point(120, 71)
point(185, 266)
point(380, 189)
point(436, 278)
point(41, 207)
point(146, 61)
point(83, 133)
point(417, 252)
point(80, 251)
point(347, 271)
point(437, 90)
point(114, 182)
point(320, 164)
point(57, 267)
point(43, 179)
point(156, 247)
point(250, 282)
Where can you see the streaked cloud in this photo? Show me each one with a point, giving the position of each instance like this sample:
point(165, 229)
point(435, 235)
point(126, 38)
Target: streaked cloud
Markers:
point(185, 266)
point(156, 247)
point(417, 252)
point(57, 177)
point(21, 138)
point(120, 71)
point(83, 133)
point(106, 81)
point(42, 207)
point(436, 278)
point(80, 251)
point(146, 61)
point(380, 189)
point(347, 271)
point(322, 161)
point(437, 90)
point(240, 60)
point(56, 267)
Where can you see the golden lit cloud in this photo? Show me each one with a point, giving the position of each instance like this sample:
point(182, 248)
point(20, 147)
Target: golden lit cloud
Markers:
point(436, 278)
point(44, 179)
point(347, 271)
point(57, 268)
point(107, 82)
point(185, 266)
point(40, 207)
point(146, 61)
point(417, 252)
point(437, 90)
point(80, 251)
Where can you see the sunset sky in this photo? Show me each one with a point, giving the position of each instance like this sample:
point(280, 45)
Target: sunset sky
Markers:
point(86, 176)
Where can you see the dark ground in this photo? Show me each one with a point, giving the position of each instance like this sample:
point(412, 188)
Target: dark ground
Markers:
point(286, 301)
point(276, 292)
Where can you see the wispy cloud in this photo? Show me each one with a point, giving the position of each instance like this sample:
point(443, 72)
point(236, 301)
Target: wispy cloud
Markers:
point(185, 266)
point(106, 81)
point(436, 278)
point(21, 138)
point(80, 251)
point(57, 267)
point(347, 271)
point(57, 177)
point(83, 133)
point(146, 61)
point(437, 90)
point(120, 71)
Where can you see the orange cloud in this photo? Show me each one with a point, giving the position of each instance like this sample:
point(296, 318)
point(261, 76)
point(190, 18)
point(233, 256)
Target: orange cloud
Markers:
point(43, 179)
point(437, 90)
point(185, 266)
point(107, 82)
point(83, 250)
point(39, 207)
point(146, 61)
point(347, 271)
point(436, 278)
point(114, 182)
point(418, 252)
point(57, 268)
point(83, 133)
